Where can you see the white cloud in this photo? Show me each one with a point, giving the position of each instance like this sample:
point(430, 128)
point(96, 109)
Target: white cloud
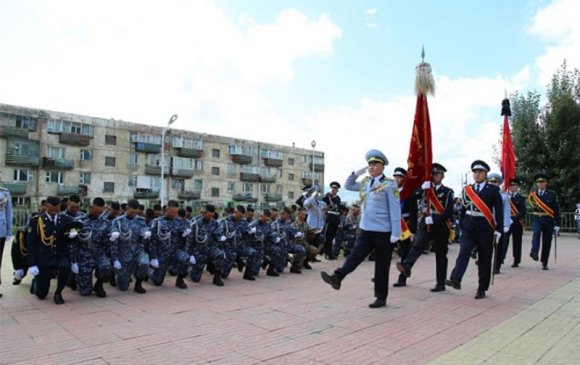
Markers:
point(371, 11)
point(370, 14)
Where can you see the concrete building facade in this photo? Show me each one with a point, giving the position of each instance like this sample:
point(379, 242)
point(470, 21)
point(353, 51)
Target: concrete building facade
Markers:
point(55, 153)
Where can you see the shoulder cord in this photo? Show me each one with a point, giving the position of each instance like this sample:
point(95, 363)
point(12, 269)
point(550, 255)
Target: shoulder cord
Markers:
point(164, 237)
point(47, 241)
point(198, 237)
point(124, 236)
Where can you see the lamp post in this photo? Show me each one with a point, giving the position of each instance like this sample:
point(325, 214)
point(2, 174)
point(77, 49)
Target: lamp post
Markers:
point(163, 133)
point(313, 144)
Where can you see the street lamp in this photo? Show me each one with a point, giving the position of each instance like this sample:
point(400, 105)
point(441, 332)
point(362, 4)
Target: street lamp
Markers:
point(163, 133)
point(313, 144)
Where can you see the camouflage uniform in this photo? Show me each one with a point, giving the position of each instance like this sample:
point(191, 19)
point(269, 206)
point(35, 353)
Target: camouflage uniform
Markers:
point(287, 234)
point(265, 241)
point(202, 243)
point(236, 246)
point(128, 249)
point(168, 247)
point(310, 250)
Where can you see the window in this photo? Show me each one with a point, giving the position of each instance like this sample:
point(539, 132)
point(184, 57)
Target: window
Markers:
point(265, 188)
point(231, 186)
point(55, 177)
point(20, 201)
point(110, 161)
point(291, 161)
point(249, 187)
point(198, 165)
point(278, 189)
point(86, 155)
point(215, 170)
point(133, 159)
point(290, 177)
point(178, 184)
point(215, 192)
point(23, 175)
point(290, 195)
point(215, 153)
point(198, 185)
point(59, 126)
point(108, 187)
point(55, 152)
point(85, 178)
point(76, 128)
point(110, 140)
point(231, 169)
point(25, 123)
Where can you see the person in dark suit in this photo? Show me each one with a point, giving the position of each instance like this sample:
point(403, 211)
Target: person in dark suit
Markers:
point(432, 222)
point(518, 214)
point(48, 250)
point(481, 220)
point(545, 218)
point(333, 204)
point(404, 245)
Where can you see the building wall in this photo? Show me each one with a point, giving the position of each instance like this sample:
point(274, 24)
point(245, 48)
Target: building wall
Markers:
point(29, 148)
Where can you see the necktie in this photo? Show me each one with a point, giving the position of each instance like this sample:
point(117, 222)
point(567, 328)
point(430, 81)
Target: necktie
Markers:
point(372, 182)
point(477, 188)
point(541, 192)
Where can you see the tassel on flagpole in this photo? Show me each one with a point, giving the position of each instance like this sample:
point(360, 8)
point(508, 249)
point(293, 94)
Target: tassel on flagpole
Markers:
point(424, 82)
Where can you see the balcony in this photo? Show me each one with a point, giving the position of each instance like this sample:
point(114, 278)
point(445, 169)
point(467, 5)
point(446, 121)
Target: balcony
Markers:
point(67, 189)
point(15, 159)
point(249, 177)
point(74, 139)
point(7, 132)
point(181, 172)
point(156, 170)
point(246, 197)
point(15, 189)
point(318, 167)
point(273, 162)
point(273, 198)
point(242, 159)
point(147, 147)
point(268, 179)
point(189, 152)
point(146, 194)
point(189, 195)
point(57, 164)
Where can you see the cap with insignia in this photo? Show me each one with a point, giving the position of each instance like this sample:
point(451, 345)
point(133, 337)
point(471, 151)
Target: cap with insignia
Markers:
point(399, 171)
point(376, 155)
point(540, 177)
point(437, 167)
point(334, 185)
point(515, 182)
point(479, 165)
point(494, 177)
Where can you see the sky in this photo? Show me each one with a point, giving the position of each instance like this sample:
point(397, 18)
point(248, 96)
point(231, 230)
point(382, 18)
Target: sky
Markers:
point(339, 73)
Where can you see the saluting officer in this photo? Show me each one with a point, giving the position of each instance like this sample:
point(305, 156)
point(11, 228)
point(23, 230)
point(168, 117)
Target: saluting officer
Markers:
point(380, 225)
point(481, 220)
point(432, 222)
point(518, 214)
point(545, 218)
point(333, 202)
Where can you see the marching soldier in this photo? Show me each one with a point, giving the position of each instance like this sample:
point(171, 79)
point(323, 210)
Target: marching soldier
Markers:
point(432, 222)
point(517, 214)
point(497, 180)
point(5, 222)
point(287, 234)
point(545, 219)
point(380, 226)
point(127, 250)
point(333, 203)
point(479, 226)
point(405, 242)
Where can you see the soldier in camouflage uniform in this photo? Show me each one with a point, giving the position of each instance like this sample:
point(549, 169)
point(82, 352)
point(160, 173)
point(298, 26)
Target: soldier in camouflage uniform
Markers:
point(265, 241)
point(129, 257)
point(283, 229)
point(202, 243)
point(300, 225)
point(167, 248)
point(89, 251)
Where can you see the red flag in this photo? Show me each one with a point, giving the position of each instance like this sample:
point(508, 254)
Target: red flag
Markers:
point(508, 158)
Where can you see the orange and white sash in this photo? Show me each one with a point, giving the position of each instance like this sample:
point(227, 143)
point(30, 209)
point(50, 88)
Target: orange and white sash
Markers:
point(480, 205)
point(536, 199)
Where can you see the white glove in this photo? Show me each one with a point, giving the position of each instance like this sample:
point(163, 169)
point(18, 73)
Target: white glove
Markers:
point(426, 185)
point(72, 234)
point(74, 267)
point(359, 172)
point(252, 230)
point(298, 235)
point(497, 235)
point(192, 260)
point(114, 236)
point(117, 265)
point(8, 238)
point(277, 240)
point(314, 194)
point(18, 274)
point(556, 230)
point(394, 239)
point(428, 220)
point(154, 263)
point(186, 233)
point(506, 229)
point(146, 235)
point(223, 238)
point(33, 270)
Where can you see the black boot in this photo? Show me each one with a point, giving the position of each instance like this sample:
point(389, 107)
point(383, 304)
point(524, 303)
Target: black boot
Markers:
point(217, 280)
point(271, 271)
point(401, 282)
point(306, 265)
point(241, 264)
point(113, 281)
point(72, 281)
point(249, 276)
point(58, 298)
point(99, 289)
point(33, 286)
point(295, 270)
point(180, 283)
point(139, 288)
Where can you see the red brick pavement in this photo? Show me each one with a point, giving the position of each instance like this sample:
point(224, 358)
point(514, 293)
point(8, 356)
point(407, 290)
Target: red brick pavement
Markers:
point(293, 319)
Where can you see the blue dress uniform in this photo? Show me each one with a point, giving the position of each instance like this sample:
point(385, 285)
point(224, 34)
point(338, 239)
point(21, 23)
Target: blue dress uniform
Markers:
point(517, 215)
point(167, 246)
point(48, 250)
point(236, 248)
point(477, 232)
point(545, 220)
point(129, 252)
point(380, 227)
point(5, 220)
point(284, 230)
point(202, 243)
point(90, 252)
point(438, 231)
point(315, 217)
point(265, 241)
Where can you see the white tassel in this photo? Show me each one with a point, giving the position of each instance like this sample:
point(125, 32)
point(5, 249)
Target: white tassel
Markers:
point(424, 82)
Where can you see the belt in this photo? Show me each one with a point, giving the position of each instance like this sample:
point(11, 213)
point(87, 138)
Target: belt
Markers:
point(406, 215)
point(540, 214)
point(333, 212)
point(474, 213)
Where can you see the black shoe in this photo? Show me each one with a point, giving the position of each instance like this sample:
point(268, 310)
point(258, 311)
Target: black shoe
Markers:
point(217, 280)
point(545, 267)
point(497, 271)
point(33, 286)
point(534, 256)
point(473, 255)
point(248, 276)
point(139, 287)
point(438, 288)
point(480, 294)
point(16, 281)
point(272, 272)
point(515, 265)
point(241, 265)
point(180, 283)
point(453, 283)
point(99, 289)
point(405, 271)
point(331, 280)
point(315, 260)
point(265, 263)
point(401, 282)
point(378, 303)
point(58, 298)
point(295, 270)
point(113, 281)
point(307, 266)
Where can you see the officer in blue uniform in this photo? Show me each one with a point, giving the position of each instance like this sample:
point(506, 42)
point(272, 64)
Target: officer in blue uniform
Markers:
point(315, 214)
point(545, 219)
point(5, 222)
point(518, 215)
point(333, 203)
point(380, 225)
point(478, 228)
point(405, 243)
point(428, 224)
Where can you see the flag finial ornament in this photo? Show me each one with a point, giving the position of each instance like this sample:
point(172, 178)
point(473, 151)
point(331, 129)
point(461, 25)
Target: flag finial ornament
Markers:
point(505, 108)
point(424, 82)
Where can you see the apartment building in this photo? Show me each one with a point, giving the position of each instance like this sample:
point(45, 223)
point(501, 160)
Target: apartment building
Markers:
point(56, 153)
